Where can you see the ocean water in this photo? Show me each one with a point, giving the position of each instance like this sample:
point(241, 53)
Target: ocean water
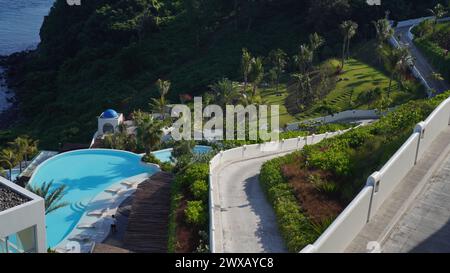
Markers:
point(20, 21)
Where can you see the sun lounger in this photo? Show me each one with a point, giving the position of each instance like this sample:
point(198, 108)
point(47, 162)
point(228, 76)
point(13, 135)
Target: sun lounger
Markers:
point(113, 191)
point(97, 213)
point(80, 238)
point(86, 226)
point(129, 184)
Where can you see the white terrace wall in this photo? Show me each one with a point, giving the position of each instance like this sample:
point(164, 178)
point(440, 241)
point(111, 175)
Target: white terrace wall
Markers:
point(249, 152)
point(380, 184)
point(345, 115)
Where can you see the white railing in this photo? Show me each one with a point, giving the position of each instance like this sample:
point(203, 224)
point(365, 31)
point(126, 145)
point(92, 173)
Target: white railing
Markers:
point(345, 115)
point(381, 184)
point(250, 152)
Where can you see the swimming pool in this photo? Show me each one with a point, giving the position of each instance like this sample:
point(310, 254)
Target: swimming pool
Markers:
point(86, 173)
point(164, 155)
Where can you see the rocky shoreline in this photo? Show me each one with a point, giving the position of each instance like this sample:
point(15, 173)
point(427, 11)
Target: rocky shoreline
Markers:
point(10, 66)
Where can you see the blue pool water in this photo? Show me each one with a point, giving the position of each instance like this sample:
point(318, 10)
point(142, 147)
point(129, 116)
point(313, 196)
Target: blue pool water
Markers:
point(164, 155)
point(86, 174)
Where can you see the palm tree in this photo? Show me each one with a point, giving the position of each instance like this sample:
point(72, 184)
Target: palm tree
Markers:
point(438, 12)
point(224, 92)
point(160, 103)
point(278, 59)
point(32, 149)
point(52, 199)
point(348, 29)
point(9, 158)
point(20, 147)
point(397, 61)
point(149, 133)
point(315, 41)
point(384, 31)
point(304, 58)
point(246, 66)
point(257, 73)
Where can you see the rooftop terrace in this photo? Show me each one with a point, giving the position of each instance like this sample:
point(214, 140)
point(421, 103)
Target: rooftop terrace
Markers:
point(10, 198)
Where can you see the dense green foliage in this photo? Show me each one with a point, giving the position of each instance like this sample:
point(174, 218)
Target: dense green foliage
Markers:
point(294, 226)
point(196, 213)
point(435, 45)
point(109, 53)
point(347, 160)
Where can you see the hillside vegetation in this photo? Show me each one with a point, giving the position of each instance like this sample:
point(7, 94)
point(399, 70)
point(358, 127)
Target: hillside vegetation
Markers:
point(109, 53)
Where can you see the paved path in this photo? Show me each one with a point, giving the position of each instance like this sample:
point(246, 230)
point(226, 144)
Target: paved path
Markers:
point(247, 221)
point(425, 227)
point(384, 223)
point(421, 63)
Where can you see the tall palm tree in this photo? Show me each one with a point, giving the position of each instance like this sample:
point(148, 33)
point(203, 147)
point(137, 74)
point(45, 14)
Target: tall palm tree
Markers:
point(52, 198)
point(278, 59)
point(20, 147)
point(160, 103)
point(384, 30)
point(224, 92)
point(32, 149)
point(348, 29)
point(438, 12)
point(304, 58)
point(149, 133)
point(246, 66)
point(315, 41)
point(397, 61)
point(257, 73)
point(9, 159)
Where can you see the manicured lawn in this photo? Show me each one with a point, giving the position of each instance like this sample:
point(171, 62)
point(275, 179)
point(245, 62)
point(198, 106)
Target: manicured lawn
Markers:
point(270, 97)
point(362, 73)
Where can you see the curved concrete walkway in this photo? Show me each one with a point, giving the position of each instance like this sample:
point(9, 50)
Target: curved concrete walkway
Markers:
point(415, 217)
point(245, 221)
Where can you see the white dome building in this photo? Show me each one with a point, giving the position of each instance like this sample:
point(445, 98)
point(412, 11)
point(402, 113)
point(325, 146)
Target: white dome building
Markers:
point(108, 122)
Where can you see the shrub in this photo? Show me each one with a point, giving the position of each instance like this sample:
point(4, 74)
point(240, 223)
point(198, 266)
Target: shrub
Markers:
point(199, 171)
point(200, 190)
point(294, 226)
point(151, 158)
point(195, 213)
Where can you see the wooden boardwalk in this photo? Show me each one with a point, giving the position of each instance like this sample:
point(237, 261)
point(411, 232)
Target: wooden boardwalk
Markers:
point(147, 229)
point(383, 222)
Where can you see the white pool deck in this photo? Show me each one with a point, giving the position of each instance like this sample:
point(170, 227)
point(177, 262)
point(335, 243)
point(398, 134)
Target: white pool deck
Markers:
point(95, 224)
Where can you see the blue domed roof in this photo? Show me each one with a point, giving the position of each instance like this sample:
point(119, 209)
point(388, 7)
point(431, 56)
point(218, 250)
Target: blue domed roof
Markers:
point(110, 113)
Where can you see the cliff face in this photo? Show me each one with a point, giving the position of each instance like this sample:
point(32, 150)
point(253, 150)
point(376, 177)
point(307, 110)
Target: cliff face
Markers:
point(108, 53)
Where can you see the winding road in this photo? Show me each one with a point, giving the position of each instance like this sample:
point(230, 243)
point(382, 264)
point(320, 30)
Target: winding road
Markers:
point(246, 221)
point(421, 63)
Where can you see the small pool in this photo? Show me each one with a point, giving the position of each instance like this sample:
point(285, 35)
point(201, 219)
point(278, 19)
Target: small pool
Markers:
point(164, 155)
point(86, 174)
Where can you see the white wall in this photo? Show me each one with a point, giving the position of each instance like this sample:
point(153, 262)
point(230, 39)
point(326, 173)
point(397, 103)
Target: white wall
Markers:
point(29, 214)
point(381, 184)
point(345, 115)
point(248, 152)
point(341, 232)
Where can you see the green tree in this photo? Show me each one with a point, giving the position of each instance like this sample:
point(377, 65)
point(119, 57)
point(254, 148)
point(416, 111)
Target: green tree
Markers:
point(277, 58)
point(246, 66)
point(160, 103)
point(397, 62)
point(256, 74)
point(52, 198)
point(9, 159)
point(438, 12)
point(224, 92)
point(19, 146)
point(304, 58)
point(149, 132)
point(348, 29)
point(384, 31)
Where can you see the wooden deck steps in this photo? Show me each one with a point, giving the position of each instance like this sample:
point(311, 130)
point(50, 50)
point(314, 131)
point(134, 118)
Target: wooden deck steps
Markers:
point(147, 229)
